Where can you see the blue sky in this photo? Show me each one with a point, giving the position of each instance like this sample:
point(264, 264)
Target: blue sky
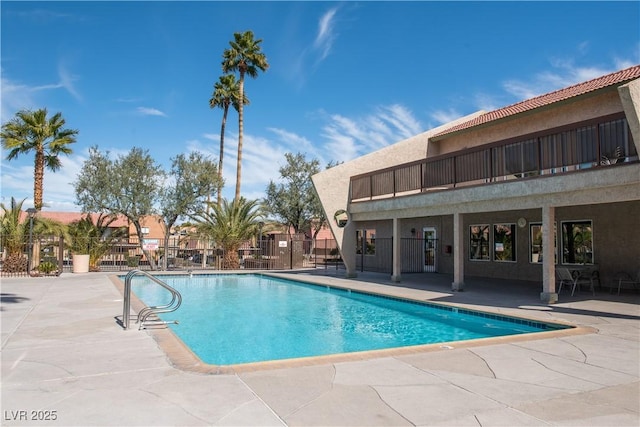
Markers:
point(345, 78)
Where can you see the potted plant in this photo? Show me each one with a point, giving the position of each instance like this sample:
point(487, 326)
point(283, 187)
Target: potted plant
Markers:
point(89, 242)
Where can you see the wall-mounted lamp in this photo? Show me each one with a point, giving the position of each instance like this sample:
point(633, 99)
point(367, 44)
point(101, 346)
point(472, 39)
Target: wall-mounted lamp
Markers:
point(413, 231)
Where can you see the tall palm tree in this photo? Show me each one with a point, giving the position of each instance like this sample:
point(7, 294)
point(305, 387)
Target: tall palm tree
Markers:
point(230, 225)
point(31, 131)
point(226, 92)
point(245, 57)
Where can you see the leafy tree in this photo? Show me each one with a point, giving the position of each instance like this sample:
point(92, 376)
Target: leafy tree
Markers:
point(230, 225)
point(128, 185)
point(191, 180)
point(96, 239)
point(31, 131)
point(226, 92)
point(294, 202)
point(245, 57)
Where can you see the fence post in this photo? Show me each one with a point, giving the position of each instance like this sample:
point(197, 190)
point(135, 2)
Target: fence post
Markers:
point(60, 255)
point(291, 254)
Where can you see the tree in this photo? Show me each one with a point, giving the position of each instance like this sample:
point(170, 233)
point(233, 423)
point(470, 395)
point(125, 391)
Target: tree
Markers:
point(294, 202)
point(15, 229)
point(191, 180)
point(226, 92)
point(31, 131)
point(230, 225)
point(245, 57)
point(127, 186)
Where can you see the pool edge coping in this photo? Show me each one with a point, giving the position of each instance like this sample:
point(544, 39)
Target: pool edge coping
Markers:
point(180, 356)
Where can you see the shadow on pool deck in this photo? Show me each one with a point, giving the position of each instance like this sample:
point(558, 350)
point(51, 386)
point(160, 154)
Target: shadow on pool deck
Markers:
point(494, 292)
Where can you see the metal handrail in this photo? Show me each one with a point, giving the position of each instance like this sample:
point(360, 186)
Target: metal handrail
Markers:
point(176, 300)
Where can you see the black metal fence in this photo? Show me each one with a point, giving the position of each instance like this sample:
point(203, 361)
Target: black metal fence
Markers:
point(279, 252)
point(418, 255)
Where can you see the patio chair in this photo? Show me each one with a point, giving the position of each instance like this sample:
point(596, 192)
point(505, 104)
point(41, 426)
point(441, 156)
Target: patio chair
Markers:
point(626, 278)
point(566, 278)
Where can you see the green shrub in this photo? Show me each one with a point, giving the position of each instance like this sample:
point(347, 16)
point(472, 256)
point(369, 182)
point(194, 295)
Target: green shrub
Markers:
point(47, 267)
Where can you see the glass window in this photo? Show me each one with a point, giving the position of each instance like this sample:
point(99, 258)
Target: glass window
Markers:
point(366, 241)
point(577, 242)
point(479, 242)
point(535, 235)
point(504, 242)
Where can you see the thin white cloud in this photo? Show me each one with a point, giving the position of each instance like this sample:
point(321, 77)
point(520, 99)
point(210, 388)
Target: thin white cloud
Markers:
point(18, 96)
point(563, 73)
point(128, 100)
point(484, 102)
point(261, 160)
point(44, 15)
point(67, 82)
point(326, 36)
point(445, 116)
point(349, 137)
point(402, 119)
point(294, 143)
point(311, 56)
point(146, 111)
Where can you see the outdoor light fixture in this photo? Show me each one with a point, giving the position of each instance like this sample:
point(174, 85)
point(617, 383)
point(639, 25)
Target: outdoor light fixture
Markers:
point(31, 212)
point(341, 217)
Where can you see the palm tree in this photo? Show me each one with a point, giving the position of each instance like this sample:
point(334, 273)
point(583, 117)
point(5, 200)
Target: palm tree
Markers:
point(31, 131)
point(230, 225)
point(95, 239)
point(245, 57)
point(15, 229)
point(226, 92)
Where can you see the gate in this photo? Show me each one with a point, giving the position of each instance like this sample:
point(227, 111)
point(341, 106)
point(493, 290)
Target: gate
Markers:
point(417, 255)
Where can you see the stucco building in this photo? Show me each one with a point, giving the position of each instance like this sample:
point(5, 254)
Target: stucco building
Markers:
point(512, 193)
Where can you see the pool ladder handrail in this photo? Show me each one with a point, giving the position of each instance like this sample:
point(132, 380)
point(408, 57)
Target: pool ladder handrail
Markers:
point(176, 300)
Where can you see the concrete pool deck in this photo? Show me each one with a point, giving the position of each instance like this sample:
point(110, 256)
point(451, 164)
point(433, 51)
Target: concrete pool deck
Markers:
point(64, 356)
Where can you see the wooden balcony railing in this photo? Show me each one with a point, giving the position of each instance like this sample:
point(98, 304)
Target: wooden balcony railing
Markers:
point(600, 143)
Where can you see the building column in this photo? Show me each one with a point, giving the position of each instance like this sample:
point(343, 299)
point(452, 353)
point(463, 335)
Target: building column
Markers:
point(397, 256)
point(348, 250)
point(458, 253)
point(549, 294)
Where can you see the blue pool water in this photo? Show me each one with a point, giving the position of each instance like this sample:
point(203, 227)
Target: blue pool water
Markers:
point(230, 319)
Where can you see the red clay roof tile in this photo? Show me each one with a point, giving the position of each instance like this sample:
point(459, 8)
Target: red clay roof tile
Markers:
point(69, 217)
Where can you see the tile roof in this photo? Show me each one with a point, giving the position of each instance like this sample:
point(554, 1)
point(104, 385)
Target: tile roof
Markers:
point(616, 78)
point(69, 217)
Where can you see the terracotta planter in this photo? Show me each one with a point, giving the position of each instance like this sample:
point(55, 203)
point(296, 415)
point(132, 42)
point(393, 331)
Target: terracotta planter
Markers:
point(80, 263)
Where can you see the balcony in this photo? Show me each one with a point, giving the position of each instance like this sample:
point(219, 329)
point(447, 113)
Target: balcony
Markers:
point(606, 142)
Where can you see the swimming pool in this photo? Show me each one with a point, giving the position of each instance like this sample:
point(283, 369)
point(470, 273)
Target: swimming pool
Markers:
point(229, 319)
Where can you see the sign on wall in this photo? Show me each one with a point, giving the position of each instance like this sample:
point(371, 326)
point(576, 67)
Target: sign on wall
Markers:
point(150, 244)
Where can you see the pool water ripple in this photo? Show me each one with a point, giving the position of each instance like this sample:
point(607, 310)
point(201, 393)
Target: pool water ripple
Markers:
point(241, 318)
